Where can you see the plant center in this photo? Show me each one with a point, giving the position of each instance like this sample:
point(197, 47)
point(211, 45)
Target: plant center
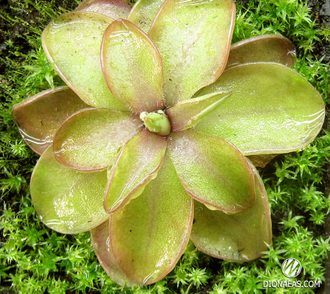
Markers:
point(156, 122)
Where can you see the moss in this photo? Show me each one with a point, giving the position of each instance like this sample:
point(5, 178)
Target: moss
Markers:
point(36, 259)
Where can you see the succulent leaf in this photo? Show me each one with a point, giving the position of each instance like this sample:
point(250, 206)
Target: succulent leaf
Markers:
point(187, 113)
point(240, 236)
point(111, 8)
point(72, 43)
point(38, 117)
point(66, 200)
point(102, 247)
point(272, 110)
point(91, 139)
point(144, 12)
point(193, 38)
point(148, 235)
point(132, 67)
point(212, 170)
point(266, 48)
point(261, 160)
point(136, 165)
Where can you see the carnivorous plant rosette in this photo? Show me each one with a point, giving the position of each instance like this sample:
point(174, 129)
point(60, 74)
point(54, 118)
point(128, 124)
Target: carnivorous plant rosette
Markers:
point(146, 146)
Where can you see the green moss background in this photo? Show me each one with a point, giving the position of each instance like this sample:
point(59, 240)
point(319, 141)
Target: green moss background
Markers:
point(34, 259)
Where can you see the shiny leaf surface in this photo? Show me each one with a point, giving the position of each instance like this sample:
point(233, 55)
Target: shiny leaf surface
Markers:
point(188, 113)
point(212, 170)
point(136, 165)
point(72, 43)
point(240, 236)
point(38, 117)
point(272, 109)
point(102, 247)
point(148, 236)
point(66, 200)
point(132, 67)
point(267, 48)
point(90, 139)
point(193, 38)
point(111, 8)
point(144, 12)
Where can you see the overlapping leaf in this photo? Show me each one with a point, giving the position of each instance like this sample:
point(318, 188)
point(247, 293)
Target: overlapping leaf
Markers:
point(91, 139)
point(72, 43)
point(188, 113)
point(132, 67)
point(144, 12)
point(66, 200)
point(241, 236)
point(38, 117)
point(136, 165)
point(212, 170)
point(102, 247)
point(111, 8)
point(148, 236)
point(266, 48)
point(193, 38)
point(272, 110)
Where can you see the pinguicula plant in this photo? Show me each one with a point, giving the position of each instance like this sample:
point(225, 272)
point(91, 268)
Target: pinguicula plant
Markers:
point(146, 145)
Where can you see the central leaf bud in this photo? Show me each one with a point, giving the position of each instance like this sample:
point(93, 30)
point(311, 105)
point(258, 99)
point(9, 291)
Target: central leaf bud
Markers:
point(156, 122)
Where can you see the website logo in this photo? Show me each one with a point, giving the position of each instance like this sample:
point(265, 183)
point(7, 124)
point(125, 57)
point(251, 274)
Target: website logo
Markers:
point(291, 268)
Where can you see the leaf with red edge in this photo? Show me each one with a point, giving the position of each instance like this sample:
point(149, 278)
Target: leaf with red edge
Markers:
point(38, 117)
point(143, 13)
point(212, 170)
point(132, 67)
point(149, 235)
point(272, 110)
point(187, 113)
point(111, 8)
point(91, 139)
point(72, 43)
point(193, 38)
point(266, 48)
point(240, 236)
point(102, 247)
point(136, 165)
point(66, 200)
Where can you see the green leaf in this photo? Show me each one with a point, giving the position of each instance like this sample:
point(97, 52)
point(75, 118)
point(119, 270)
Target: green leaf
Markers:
point(240, 236)
point(266, 48)
point(102, 247)
point(72, 43)
point(149, 235)
point(38, 117)
point(136, 165)
point(66, 200)
point(272, 109)
point(111, 8)
point(132, 67)
point(193, 38)
point(212, 170)
point(144, 12)
point(91, 139)
point(187, 113)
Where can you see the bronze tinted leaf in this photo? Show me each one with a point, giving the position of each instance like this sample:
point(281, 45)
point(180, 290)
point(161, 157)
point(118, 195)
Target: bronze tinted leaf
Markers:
point(38, 117)
point(212, 170)
point(241, 236)
point(193, 38)
point(148, 236)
